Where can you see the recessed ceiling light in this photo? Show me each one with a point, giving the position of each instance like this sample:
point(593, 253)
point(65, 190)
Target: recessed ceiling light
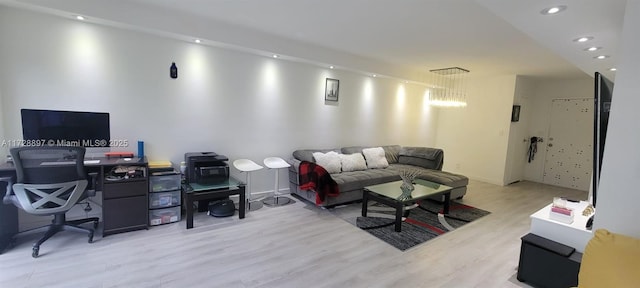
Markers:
point(553, 10)
point(374, 75)
point(405, 81)
point(331, 67)
point(275, 56)
point(79, 17)
point(197, 41)
point(612, 69)
point(583, 39)
point(601, 57)
point(591, 49)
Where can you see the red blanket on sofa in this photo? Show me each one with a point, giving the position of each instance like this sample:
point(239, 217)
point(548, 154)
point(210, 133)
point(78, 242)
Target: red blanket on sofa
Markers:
point(315, 177)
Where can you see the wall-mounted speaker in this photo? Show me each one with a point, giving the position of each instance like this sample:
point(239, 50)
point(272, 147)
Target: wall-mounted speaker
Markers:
point(173, 70)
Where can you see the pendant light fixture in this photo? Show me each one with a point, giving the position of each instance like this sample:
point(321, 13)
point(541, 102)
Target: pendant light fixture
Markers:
point(450, 87)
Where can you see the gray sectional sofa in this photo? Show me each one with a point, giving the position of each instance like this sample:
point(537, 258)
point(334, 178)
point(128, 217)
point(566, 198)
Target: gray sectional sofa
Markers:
point(427, 161)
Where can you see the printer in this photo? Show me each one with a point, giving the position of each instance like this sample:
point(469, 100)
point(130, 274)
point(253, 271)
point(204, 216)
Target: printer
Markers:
point(206, 168)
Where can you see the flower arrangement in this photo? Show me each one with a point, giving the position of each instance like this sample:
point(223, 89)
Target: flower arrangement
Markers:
point(407, 183)
point(409, 175)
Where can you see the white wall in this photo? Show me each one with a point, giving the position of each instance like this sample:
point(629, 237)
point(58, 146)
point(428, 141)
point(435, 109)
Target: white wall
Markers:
point(475, 137)
point(480, 140)
point(165, 21)
point(545, 92)
point(230, 102)
point(519, 131)
point(618, 195)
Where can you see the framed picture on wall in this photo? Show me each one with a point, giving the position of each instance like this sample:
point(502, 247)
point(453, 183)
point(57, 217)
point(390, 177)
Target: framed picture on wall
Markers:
point(331, 89)
point(515, 113)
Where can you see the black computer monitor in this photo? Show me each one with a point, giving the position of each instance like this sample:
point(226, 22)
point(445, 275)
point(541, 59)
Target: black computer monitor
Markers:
point(66, 128)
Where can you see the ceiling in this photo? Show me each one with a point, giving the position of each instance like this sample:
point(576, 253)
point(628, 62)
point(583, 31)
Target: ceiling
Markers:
point(401, 38)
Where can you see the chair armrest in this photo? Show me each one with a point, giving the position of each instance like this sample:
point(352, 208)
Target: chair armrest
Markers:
point(91, 189)
point(295, 165)
point(9, 192)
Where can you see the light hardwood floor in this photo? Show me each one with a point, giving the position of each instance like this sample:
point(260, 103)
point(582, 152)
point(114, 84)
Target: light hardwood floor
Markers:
point(297, 245)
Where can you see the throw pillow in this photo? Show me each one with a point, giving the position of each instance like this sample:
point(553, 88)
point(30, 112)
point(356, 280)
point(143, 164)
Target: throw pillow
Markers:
point(375, 158)
point(610, 260)
point(353, 162)
point(307, 154)
point(330, 161)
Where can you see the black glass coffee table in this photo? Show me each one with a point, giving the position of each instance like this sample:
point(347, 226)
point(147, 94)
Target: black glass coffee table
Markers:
point(390, 194)
point(194, 192)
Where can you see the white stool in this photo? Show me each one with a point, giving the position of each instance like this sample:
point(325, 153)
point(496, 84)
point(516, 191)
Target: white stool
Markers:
point(246, 165)
point(277, 200)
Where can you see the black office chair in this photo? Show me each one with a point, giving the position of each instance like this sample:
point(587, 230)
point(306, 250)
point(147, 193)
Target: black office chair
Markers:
point(50, 181)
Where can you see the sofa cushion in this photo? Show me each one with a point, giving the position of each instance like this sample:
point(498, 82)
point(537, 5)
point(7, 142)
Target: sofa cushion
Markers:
point(356, 180)
point(307, 154)
point(375, 158)
point(330, 161)
point(392, 152)
point(438, 176)
point(430, 158)
point(352, 162)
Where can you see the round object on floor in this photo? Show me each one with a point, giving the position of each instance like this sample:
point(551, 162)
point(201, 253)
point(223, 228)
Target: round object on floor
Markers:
point(277, 201)
point(222, 208)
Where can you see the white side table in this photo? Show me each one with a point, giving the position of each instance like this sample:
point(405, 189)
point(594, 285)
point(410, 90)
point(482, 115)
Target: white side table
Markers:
point(574, 235)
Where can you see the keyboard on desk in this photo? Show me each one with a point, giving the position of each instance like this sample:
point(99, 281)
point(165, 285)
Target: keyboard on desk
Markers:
point(50, 163)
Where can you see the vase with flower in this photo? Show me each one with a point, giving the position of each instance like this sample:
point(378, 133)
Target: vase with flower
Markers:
point(407, 176)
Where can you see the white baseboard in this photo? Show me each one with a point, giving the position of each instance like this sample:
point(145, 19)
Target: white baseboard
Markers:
point(490, 181)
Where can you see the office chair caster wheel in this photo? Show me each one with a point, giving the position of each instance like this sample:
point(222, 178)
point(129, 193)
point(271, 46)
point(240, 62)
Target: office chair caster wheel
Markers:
point(91, 237)
point(35, 251)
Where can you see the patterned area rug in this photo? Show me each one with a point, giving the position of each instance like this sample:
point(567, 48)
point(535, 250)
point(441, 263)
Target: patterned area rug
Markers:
point(422, 224)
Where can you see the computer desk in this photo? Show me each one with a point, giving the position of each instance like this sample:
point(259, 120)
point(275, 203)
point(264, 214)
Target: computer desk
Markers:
point(125, 202)
point(8, 217)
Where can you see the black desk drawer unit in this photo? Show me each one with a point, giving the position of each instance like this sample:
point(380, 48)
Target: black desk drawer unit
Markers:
point(125, 214)
point(125, 188)
point(125, 205)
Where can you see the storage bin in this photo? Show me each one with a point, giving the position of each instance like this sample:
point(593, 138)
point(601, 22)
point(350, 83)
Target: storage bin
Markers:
point(164, 183)
point(164, 199)
point(164, 216)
